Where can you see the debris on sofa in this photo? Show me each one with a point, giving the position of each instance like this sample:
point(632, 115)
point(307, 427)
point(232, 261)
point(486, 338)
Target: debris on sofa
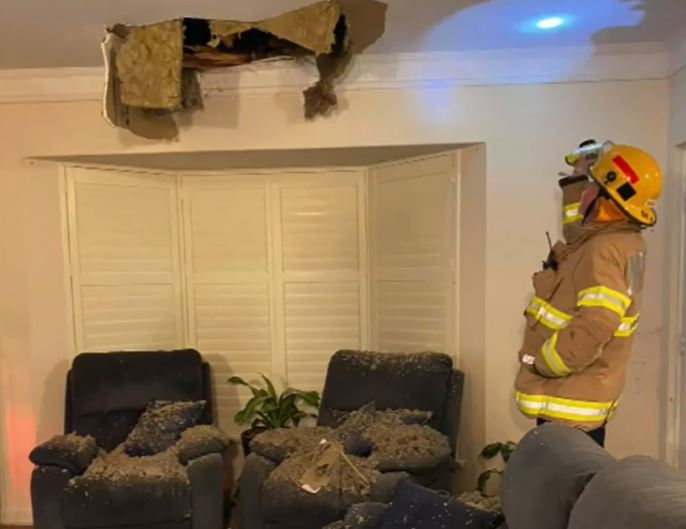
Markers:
point(400, 439)
point(152, 70)
point(72, 452)
point(199, 441)
point(478, 501)
point(327, 468)
point(276, 445)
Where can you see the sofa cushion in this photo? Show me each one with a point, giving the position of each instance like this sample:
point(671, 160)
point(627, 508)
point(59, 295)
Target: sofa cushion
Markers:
point(71, 452)
point(546, 475)
point(633, 493)
point(161, 425)
point(416, 507)
point(118, 490)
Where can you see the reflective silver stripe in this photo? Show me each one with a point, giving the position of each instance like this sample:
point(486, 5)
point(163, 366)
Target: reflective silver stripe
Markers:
point(627, 327)
point(571, 213)
point(606, 298)
point(552, 358)
point(566, 409)
point(548, 315)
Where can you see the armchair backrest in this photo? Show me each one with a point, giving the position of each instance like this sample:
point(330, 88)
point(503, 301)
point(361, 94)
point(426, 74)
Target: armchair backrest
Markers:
point(425, 382)
point(107, 392)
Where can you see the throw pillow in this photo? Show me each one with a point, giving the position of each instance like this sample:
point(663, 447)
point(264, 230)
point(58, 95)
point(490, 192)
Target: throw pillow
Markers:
point(161, 425)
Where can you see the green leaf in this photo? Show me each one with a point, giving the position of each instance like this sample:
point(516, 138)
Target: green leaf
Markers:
point(491, 450)
point(246, 415)
point(507, 449)
point(238, 381)
point(483, 481)
point(270, 387)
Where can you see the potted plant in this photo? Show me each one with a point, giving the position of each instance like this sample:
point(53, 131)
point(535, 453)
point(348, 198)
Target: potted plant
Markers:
point(268, 410)
point(490, 452)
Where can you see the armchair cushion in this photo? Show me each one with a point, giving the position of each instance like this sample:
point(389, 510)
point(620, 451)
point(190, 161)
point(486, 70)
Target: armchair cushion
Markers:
point(161, 425)
point(71, 452)
point(118, 490)
point(201, 441)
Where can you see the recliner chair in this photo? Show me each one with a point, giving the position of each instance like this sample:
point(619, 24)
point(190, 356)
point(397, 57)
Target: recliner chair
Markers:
point(392, 381)
point(106, 394)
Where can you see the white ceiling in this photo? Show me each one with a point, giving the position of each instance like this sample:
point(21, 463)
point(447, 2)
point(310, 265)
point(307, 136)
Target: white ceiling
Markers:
point(50, 33)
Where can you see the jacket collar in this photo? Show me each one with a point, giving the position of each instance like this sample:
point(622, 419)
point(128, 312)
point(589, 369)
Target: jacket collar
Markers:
point(587, 232)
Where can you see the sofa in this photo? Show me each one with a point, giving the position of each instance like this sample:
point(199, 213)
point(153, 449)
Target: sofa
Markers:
point(425, 382)
point(558, 478)
point(107, 394)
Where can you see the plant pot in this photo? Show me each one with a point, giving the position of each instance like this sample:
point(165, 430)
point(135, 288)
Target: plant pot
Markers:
point(247, 436)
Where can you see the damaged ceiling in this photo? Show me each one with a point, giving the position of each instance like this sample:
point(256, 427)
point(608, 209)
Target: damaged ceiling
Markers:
point(72, 26)
point(151, 70)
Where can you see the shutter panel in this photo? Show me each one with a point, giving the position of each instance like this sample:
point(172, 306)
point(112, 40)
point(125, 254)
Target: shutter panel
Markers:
point(321, 273)
point(227, 261)
point(125, 261)
point(413, 246)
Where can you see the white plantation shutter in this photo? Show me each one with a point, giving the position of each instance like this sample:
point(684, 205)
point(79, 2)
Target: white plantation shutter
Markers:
point(321, 273)
point(274, 267)
point(413, 248)
point(125, 261)
point(228, 282)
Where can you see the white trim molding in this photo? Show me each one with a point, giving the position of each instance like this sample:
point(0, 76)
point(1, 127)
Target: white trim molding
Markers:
point(16, 517)
point(378, 72)
point(677, 52)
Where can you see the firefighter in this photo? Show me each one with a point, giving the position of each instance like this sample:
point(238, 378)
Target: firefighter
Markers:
point(585, 311)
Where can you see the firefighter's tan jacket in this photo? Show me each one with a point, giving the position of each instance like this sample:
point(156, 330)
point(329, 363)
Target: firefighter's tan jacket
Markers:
point(579, 327)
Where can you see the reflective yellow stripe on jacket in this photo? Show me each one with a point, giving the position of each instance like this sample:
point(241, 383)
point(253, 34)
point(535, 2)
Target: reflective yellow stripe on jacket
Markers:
point(552, 359)
point(548, 315)
point(548, 407)
point(570, 213)
point(556, 320)
point(605, 298)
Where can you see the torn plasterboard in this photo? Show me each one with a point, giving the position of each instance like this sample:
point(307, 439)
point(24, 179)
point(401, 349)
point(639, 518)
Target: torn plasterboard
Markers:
point(152, 70)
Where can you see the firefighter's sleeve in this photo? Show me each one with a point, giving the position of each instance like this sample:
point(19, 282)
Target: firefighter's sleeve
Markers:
point(602, 302)
point(572, 188)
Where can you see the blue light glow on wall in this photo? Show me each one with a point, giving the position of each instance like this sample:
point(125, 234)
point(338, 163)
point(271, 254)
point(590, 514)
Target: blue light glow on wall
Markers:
point(547, 24)
point(550, 23)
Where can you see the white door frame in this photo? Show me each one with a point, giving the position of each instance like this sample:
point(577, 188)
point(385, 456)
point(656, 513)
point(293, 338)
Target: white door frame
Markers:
point(675, 317)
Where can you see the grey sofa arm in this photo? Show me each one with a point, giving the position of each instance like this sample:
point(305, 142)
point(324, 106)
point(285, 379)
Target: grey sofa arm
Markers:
point(206, 476)
point(256, 470)
point(69, 452)
point(201, 441)
point(47, 486)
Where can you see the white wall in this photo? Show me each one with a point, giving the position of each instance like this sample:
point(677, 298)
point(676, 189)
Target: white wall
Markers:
point(674, 320)
point(526, 129)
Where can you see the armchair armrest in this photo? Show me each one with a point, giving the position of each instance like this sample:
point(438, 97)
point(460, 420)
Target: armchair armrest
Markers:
point(200, 441)
point(69, 452)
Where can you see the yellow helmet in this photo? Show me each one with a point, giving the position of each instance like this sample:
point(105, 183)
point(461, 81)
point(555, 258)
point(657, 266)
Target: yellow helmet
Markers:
point(632, 179)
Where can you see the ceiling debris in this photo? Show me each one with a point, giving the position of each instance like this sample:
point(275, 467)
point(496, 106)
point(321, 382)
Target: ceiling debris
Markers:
point(152, 70)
